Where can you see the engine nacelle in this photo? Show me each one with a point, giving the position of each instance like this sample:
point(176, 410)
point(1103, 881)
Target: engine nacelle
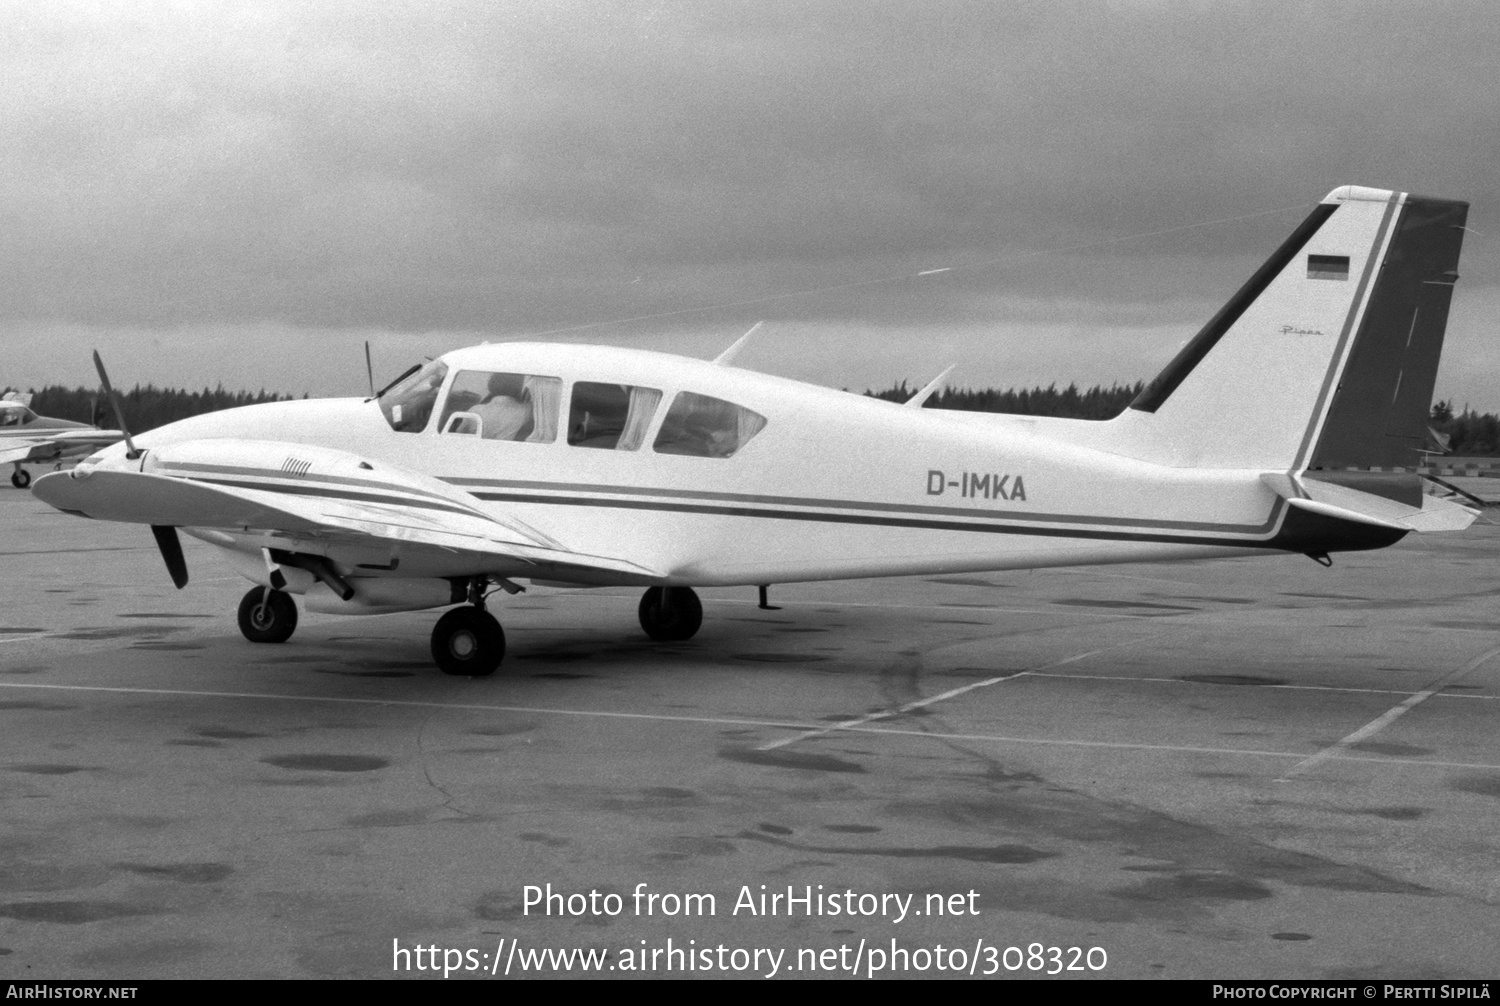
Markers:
point(381, 595)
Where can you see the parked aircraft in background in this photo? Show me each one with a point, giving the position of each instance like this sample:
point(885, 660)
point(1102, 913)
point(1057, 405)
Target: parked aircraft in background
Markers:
point(27, 438)
point(1275, 430)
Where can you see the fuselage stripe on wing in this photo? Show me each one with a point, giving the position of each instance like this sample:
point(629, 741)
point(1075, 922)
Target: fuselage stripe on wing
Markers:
point(185, 467)
point(303, 489)
point(989, 527)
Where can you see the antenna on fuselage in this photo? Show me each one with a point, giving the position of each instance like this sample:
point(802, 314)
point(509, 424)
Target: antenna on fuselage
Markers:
point(114, 400)
point(915, 401)
point(369, 368)
point(724, 358)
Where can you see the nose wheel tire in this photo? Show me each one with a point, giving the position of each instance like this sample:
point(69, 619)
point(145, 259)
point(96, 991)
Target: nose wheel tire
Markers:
point(671, 614)
point(20, 478)
point(469, 642)
point(267, 616)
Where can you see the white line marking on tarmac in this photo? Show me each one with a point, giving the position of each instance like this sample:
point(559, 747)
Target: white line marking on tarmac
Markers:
point(740, 722)
point(951, 693)
point(1384, 720)
point(1304, 688)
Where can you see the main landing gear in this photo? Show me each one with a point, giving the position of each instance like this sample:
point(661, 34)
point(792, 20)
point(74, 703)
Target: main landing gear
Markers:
point(267, 616)
point(468, 641)
point(671, 614)
point(20, 478)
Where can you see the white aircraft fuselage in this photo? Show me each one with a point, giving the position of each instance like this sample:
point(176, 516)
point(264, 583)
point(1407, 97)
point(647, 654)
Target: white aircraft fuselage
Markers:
point(835, 485)
point(1291, 423)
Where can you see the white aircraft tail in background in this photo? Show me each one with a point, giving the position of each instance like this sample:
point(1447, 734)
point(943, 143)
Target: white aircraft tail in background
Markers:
point(1290, 423)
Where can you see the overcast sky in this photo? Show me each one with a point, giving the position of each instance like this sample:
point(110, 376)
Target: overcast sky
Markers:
point(246, 192)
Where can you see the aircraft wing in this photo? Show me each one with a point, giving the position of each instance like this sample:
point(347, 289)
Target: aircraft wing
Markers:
point(55, 444)
point(319, 495)
point(19, 450)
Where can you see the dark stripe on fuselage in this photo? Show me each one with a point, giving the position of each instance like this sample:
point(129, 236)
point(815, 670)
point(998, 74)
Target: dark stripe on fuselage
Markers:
point(477, 487)
point(880, 521)
point(1151, 398)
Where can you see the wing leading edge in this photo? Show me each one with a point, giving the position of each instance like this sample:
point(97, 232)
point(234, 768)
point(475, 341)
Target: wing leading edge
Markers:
point(326, 499)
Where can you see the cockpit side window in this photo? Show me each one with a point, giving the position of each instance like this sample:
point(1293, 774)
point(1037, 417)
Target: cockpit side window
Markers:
point(408, 403)
point(503, 406)
point(16, 416)
point(705, 427)
point(610, 416)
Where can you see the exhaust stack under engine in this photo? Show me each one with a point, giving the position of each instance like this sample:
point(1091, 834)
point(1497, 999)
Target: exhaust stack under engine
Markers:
point(380, 596)
point(373, 595)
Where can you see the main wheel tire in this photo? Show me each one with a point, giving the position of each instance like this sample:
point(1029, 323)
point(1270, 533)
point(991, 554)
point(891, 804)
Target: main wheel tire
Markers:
point(267, 616)
point(20, 478)
point(468, 641)
point(671, 614)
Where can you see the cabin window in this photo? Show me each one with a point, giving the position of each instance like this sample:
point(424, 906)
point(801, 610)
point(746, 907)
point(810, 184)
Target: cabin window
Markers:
point(408, 403)
point(16, 416)
point(610, 416)
point(705, 427)
point(503, 406)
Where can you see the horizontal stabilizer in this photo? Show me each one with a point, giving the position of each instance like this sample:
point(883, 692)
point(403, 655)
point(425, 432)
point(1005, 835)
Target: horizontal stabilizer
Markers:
point(1344, 503)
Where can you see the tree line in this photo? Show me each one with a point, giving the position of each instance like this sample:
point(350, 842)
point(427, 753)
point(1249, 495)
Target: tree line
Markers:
point(146, 407)
point(1468, 433)
point(1097, 402)
point(1464, 434)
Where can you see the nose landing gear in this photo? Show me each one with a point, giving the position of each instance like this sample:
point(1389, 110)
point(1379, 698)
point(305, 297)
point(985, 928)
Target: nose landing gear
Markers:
point(267, 616)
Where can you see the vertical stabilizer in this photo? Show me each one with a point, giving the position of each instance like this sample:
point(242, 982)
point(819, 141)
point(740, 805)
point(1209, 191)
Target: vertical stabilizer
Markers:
point(1326, 358)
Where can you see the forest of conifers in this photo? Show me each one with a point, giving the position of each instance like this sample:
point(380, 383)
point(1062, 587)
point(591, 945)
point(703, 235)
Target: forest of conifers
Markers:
point(1469, 433)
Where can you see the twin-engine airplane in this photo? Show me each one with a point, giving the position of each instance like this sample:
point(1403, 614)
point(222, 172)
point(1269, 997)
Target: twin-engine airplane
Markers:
point(1283, 426)
point(27, 438)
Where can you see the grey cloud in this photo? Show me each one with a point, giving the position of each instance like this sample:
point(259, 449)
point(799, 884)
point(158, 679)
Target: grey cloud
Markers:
point(526, 166)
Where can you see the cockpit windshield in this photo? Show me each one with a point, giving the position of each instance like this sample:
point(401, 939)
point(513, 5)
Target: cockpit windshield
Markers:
point(408, 403)
point(15, 415)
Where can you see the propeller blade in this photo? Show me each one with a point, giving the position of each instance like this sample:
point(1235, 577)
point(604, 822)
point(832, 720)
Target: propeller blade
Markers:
point(114, 399)
point(171, 553)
